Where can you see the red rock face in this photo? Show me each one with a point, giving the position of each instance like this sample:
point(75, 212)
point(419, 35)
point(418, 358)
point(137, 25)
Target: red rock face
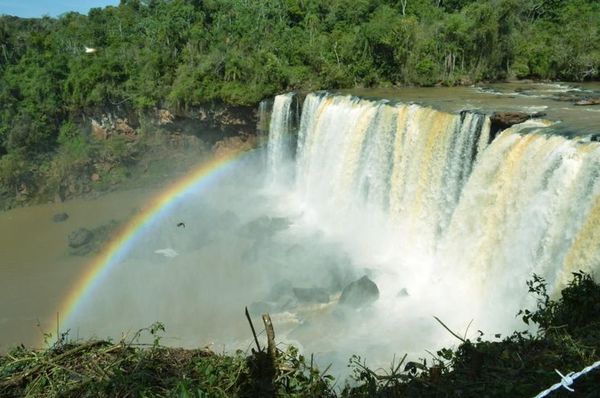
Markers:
point(231, 145)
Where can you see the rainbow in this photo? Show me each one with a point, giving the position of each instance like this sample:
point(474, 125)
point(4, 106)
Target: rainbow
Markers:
point(197, 179)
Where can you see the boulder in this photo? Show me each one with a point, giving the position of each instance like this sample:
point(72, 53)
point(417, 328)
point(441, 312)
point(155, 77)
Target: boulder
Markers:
point(60, 217)
point(506, 119)
point(311, 294)
point(80, 237)
point(359, 293)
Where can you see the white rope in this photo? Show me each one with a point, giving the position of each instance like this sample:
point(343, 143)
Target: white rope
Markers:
point(567, 380)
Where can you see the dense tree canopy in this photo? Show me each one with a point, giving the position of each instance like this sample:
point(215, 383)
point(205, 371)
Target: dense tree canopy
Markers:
point(181, 53)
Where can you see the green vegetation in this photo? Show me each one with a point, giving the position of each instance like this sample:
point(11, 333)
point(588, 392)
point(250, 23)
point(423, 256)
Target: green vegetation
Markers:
point(179, 54)
point(521, 365)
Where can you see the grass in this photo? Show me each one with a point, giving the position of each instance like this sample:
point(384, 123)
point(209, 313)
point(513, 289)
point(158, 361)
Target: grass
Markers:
point(521, 365)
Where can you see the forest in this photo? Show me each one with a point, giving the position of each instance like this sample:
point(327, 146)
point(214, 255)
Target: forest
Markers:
point(177, 54)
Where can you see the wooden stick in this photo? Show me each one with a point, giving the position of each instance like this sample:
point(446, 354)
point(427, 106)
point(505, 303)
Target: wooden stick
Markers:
point(448, 329)
point(252, 328)
point(271, 349)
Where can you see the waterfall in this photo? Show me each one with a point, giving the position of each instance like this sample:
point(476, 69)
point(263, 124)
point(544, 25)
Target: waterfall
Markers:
point(408, 161)
point(530, 206)
point(279, 146)
point(527, 202)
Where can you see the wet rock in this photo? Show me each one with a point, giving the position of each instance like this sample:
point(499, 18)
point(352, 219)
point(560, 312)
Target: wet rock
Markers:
point(595, 138)
point(311, 294)
point(503, 120)
point(80, 237)
point(60, 217)
point(507, 119)
point(588, 101)
point(360, 293)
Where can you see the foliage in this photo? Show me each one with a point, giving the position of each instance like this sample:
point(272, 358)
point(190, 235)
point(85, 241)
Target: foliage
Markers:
point(184, 53)
point(521, 364)
point(133, 368)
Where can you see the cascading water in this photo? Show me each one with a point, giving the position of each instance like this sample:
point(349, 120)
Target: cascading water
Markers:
point(528, 207)
point(279, 146)
point(407, 161)
point(422, 200)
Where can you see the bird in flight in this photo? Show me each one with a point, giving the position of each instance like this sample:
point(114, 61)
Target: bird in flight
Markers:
point(181, 224)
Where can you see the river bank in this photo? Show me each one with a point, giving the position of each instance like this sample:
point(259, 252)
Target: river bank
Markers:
point(116, 148)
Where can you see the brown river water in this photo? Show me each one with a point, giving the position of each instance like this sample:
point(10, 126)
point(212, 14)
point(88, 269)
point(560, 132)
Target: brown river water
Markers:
point(525, 97)
point(36, 269)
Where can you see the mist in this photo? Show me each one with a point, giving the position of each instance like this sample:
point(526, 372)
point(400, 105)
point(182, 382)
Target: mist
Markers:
point(356, 234)
point(251, 241)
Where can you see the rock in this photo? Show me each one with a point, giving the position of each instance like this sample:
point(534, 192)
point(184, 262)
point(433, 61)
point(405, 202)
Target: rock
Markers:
point(230, 146)
point(98, 132)
point(60, 217)
point(403, 293)
point(311, 294)
point(80, 237)
point(122, 126)
point(507, 119)
point(588, 101)
point(164, 117)
point(595, 138)
point(359, 293)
